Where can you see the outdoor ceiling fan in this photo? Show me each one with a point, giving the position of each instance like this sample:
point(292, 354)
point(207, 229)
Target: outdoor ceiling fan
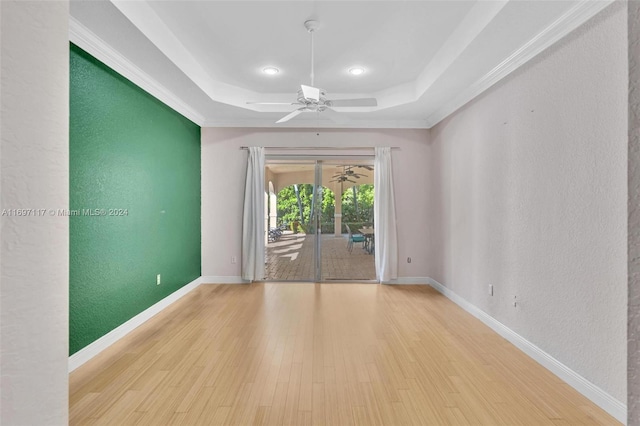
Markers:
point(348, 174)
point(364, 166)
point(313, 99)
point(343, 179)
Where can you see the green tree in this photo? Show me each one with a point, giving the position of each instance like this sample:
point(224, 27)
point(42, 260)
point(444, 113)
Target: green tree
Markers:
point(328, 205)
point(288, 210)
point(363, 203)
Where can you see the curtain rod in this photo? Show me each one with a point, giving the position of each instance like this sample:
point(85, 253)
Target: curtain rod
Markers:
point(318, 156)
point(320, 148)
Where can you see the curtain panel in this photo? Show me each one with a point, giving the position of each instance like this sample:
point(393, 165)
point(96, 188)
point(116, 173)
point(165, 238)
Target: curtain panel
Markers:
point(253, 232)
point(386, 238)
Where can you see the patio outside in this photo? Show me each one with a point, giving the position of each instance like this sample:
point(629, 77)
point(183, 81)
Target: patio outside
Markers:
point(291, 259)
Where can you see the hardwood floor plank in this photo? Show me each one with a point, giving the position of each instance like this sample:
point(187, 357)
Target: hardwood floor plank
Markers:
point(293, 395)
point(220, 416)
point(276, 414)
point(334, 354)
point(318, 414)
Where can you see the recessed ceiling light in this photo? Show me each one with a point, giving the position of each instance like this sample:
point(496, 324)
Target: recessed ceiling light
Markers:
point(270, 70)
point(356, 71)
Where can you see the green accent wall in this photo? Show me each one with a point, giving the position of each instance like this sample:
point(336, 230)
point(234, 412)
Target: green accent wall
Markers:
point(127, 151)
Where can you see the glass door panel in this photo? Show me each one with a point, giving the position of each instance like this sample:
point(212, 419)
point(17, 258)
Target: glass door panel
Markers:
point(347, 209)
point(290, 245)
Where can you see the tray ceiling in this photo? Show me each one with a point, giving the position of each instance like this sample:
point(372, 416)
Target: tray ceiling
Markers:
point(422, 59)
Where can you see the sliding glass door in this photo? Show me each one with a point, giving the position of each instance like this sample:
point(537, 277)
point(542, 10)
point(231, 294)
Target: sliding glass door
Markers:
point(316, 212)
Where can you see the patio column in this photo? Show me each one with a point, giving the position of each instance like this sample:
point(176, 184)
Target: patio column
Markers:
point(273, 210)
point(337, 216)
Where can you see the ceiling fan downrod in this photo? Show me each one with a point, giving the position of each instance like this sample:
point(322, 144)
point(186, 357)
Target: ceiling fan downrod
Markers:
point(312, 26)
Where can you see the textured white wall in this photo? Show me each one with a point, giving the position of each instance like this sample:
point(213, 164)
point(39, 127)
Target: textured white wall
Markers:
point(528, 192)
point(633, 330)
point(224, 167)
point(34, 256)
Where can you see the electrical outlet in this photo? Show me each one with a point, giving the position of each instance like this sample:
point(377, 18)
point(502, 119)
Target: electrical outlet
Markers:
point(234, 259)
point(490, 290)
point(158, 278)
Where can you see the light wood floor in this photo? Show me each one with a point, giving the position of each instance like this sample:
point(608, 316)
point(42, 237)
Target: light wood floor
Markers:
point(338, 354)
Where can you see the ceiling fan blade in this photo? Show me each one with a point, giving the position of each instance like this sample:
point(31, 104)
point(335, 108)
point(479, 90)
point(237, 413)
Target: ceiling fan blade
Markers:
point(362, 102)
point(274, 103)
point(290, 116)
point(310, 93)
point(334, 116)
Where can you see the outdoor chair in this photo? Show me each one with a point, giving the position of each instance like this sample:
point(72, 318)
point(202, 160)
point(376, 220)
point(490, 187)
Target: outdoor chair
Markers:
point(353, 238)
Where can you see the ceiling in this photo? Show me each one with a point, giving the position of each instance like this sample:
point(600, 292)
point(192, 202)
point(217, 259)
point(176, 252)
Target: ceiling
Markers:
point(281, 173)
point(422, 59)
point(296, 166)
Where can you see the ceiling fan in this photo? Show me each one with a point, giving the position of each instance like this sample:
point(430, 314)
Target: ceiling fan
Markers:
point(347, 174)
point(364, 166)
point(343, 179)
point(313, 99)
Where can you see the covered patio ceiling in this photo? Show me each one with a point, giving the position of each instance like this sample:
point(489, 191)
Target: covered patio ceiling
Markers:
point(283, 173)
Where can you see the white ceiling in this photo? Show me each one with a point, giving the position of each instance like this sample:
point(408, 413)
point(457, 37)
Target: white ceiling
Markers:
point(423, 59)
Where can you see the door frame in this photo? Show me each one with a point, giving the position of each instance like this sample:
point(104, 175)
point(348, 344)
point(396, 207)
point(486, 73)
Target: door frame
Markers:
point(318, 162)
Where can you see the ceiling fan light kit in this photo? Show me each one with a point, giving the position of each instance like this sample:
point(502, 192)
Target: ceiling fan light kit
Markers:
point(313, 99)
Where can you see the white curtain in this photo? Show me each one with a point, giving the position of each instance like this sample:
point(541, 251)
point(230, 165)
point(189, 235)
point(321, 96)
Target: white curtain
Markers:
point(386, 238)
point(253, 218)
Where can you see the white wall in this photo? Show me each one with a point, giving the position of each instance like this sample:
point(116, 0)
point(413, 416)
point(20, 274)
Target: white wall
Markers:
point(34, 256)
point(528, 192)
point(633, 349)
point(223, 175)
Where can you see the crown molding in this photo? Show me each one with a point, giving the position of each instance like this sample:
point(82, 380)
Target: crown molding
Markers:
point(569, 21)
point(91, 43)
point(355, 124)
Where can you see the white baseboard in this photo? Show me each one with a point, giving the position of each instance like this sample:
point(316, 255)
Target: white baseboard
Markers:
point(94, 348)
point(598, 396)
point(211, 279)
point(409, 281)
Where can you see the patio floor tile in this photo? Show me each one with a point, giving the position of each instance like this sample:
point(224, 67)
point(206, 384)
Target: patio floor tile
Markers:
point(291, 259)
